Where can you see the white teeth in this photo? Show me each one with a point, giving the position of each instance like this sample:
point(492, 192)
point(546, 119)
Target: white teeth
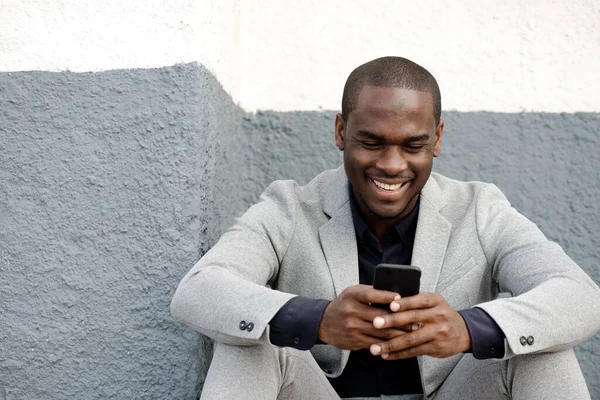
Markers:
point(385, 186)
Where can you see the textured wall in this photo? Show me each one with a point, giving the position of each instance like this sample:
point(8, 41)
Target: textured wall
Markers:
point(114, 183)
point(112, 186)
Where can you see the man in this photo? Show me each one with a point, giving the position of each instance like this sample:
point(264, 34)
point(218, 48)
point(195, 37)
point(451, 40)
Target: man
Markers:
point(294, 274)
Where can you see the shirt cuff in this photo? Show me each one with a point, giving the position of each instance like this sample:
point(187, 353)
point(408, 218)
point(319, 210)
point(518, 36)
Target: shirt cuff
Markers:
point(296, 324)
point(487, 339)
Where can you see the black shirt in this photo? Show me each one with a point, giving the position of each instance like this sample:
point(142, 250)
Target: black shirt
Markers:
point(367, 375)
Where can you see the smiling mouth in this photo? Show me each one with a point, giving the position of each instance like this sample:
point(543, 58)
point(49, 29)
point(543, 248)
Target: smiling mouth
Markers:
point(388, 187)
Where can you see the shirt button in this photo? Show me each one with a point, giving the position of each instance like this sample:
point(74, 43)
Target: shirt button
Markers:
point(523, 340)
point(243, 325)
point(530, 340)
point(296, 340)
point(249, 327)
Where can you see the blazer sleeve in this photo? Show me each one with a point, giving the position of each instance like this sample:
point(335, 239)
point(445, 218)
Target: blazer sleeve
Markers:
point(226, 295)
point(554, 303)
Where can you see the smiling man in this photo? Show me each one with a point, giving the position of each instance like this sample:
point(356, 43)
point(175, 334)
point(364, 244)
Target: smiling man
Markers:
point(286, 293)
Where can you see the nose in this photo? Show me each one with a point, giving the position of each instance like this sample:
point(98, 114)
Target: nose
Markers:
point(392, 161)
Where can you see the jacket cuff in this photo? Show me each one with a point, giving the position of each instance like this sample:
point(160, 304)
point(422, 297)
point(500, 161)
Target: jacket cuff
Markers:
point(296, 324)
point(487, 339)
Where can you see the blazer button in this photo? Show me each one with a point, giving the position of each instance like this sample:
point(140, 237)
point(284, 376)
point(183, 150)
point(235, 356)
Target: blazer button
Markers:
point(523, 340)
point(249, 327)
point(243, 325)
point(296, 340)
point(530, 340)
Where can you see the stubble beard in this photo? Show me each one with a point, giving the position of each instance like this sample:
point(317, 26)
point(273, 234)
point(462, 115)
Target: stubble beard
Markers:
point(383, 217)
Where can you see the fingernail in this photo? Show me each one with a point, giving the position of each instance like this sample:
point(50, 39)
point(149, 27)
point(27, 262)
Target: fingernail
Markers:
point(394, 306)
point(385, 356)
point(375, 349)
point(416, 326)
point(397, 298)
point(378, 322)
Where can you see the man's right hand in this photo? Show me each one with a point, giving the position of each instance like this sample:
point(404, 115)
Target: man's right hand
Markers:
point(348, 320)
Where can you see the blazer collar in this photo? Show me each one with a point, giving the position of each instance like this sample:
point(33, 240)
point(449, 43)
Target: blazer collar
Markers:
point(429, 251)
point(432, 236)
point(336, 192)
point(339, 241)
point(337, 235)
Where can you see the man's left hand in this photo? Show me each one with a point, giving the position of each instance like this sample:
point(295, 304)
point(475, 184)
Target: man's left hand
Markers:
point(439, 331)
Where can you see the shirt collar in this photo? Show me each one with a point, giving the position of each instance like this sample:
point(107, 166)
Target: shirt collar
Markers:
point(405, 228)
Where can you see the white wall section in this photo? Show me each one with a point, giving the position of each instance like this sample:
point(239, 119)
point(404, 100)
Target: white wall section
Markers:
point(508, 57)
point(495, 56)
point(100, 35)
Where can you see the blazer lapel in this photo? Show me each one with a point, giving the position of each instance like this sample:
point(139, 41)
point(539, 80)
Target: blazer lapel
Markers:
point(337, 236)
point(431, 238)
point(431, 241)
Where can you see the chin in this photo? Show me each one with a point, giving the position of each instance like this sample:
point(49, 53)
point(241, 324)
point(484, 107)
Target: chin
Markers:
point(386, 212)
point(389, 214)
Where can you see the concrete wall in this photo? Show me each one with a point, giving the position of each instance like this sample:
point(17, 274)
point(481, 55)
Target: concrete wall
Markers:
point(131, 135)
point(112, 186)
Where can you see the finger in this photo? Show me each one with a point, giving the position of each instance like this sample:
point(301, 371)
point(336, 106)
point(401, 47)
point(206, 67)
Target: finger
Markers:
point(366, 341)
point(384, 334)
point(367, 328)
point(393, 306)
point(402, 342)
point(420, 350)
point(419, 301)
point(412, 319)
point(367, 295)
point(409, 327)
point(369, 313)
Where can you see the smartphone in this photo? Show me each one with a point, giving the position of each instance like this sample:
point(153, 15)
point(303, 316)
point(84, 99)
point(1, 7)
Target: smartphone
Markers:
point(402, 279)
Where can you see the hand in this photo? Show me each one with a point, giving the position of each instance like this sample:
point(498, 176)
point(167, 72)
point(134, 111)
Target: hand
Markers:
point(348, 320)
point(443, 331)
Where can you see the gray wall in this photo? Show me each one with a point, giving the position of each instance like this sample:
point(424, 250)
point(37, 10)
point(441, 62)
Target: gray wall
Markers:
point(113, 184)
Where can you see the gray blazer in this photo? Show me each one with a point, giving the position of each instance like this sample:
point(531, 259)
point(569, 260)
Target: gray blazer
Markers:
point(470, 245)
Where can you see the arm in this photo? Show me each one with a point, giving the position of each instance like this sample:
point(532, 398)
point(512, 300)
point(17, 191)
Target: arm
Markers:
point(229, 284)
point(296, 324)
point(554, 304)
point(487, 339)
point(554, 301)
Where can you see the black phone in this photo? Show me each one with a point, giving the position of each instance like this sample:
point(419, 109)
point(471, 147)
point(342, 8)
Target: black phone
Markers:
point(402, 279)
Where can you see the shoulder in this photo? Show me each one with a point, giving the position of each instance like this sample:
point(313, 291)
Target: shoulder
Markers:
point(459, 197)
point(289, 193)
point(282, 205)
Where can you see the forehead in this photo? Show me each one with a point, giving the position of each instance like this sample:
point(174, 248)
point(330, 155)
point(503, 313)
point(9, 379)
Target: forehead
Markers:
point(392, 101)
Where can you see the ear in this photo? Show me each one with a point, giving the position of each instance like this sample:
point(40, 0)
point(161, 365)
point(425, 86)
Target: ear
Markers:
point(437, 148)
point(340, 127)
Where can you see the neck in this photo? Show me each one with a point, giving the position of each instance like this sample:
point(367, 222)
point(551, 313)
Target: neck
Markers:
point(379, 225)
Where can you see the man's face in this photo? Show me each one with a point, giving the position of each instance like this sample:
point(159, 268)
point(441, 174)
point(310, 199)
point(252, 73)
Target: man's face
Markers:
point(389, 142)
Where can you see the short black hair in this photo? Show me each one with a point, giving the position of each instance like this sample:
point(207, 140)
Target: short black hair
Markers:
point(390, 72)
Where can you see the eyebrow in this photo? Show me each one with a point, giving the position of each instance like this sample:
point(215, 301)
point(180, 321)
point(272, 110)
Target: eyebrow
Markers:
point(417, 138)
point(370, 135)
point(410, 139)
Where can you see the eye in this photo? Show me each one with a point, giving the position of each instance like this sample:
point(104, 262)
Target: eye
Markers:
point(415, 147)
point(371, 145)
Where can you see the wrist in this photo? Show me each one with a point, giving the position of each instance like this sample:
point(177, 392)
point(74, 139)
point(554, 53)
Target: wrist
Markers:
point(465, 336)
